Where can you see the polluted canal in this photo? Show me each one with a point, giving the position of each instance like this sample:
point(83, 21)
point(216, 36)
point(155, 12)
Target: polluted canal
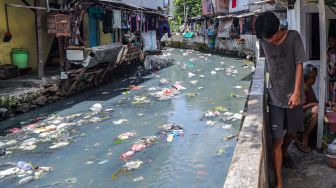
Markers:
point(177, 128)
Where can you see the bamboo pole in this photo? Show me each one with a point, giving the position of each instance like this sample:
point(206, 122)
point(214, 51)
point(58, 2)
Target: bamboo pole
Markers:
point(323, 72)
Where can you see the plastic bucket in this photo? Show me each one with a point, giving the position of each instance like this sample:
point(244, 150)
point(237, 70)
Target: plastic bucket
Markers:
point(20, 57)
point(211, 41)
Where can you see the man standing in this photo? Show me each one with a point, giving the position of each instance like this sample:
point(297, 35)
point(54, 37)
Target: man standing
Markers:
point(285, 54)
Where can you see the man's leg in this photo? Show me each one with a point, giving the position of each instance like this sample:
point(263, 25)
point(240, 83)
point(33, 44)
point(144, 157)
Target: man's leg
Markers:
point(277, 119)
point(311, 125)
point(294, 122)
point(277, 156)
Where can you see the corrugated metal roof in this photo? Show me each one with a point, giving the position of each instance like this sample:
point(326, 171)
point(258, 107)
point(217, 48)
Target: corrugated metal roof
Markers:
point(249, 14)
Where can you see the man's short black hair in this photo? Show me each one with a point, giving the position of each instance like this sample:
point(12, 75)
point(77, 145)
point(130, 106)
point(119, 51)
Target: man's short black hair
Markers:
point(266, 25)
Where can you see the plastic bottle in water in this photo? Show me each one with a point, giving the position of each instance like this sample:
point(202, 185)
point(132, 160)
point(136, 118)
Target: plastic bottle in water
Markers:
point(24, 166)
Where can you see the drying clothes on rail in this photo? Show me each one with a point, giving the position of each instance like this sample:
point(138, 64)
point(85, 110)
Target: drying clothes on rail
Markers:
point(144, 22)
point(124, 20)
point(96, 12)
point(163, 29)
point(192, 26)
point(151, 21)
point(134, 20)
point(108, 22)
point(117, 19)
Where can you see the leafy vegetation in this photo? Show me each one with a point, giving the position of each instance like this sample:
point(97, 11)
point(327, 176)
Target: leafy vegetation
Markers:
point(189, 8)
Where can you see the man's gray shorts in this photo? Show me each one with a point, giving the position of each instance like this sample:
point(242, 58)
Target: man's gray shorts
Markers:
point(282, 119)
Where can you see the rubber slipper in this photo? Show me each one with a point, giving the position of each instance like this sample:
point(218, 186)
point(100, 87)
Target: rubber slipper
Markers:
point(302, 147)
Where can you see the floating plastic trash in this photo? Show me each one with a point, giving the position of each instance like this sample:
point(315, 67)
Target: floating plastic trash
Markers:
point(201, 76)
point(210, 123)
point(194, 82)
point(127, 155)
point(129, 166)
point(132, 165)
point(124, 136)
point(220, 108)
point(26, 180)
point(96, 108)
point(170, 137)
point(190, 74)
point(140, 100)
point(219, 69)
point(178, 86)
point(227, 126)
point(59, 145)
point(210, 114)
point(120, 121)
point(140, 178)
point(164, 81)
point(190, 95)
point(103, 162)
point(9, 172)
point(89, 162)
point(226, 138)
point(133, 87)
point(220, 151)
point(24, 165)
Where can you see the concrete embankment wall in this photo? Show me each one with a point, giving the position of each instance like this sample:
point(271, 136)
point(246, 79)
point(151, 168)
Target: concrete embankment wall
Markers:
point(249, 168)
point(229, 47)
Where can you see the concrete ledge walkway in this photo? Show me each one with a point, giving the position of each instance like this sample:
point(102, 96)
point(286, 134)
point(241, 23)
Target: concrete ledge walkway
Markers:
point(312, 171)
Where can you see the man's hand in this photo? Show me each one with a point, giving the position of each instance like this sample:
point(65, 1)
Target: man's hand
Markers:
point(294, 100)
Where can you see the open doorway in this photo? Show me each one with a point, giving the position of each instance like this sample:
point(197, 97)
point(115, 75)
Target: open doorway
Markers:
point(314, 39)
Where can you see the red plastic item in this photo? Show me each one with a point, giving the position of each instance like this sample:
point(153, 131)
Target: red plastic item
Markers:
point(332, 121)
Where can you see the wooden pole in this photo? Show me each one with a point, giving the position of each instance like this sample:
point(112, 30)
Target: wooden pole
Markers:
point(39, 31)
point(323, 72)
point(61, 51)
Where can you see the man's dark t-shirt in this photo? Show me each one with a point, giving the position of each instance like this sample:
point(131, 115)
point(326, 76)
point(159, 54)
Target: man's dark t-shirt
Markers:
point(281, 61)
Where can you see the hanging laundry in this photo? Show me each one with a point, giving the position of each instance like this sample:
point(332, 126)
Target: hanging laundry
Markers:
point(151, 23)
point(144, 23)
point(116, 19)
point(108, 22)
point(134, 20)
point(124, 20)
point(163, 29)
point(96, 12)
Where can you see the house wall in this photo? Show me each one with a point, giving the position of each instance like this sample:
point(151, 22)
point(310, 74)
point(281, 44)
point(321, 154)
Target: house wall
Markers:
point(299, 19)
point(22, 27)
point(103, 38)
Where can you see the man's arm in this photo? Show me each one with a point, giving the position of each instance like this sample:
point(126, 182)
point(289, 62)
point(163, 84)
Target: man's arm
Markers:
point(294, 100)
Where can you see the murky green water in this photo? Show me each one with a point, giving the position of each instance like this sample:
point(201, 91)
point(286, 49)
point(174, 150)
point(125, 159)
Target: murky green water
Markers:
point(189, 161)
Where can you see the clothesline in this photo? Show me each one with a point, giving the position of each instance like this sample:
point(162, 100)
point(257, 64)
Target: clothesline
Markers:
point(129, 10)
